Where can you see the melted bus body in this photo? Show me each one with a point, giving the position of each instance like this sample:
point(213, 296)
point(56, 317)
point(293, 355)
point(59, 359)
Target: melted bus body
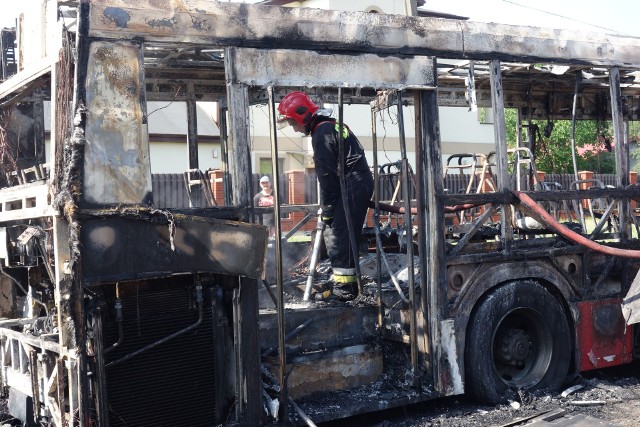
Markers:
point(117, 310)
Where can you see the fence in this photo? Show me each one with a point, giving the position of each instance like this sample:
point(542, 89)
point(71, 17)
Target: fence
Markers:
point(170, 190)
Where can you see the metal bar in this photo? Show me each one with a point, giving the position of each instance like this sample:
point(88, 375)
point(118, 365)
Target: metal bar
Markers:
point(410, 7)
point(573, 126)
point(406, 194)
point(620, 135)
point(250, 359)
point(39, 127)
point(290, 335)
point(376, 214)
point(237, 345)
point(602, 221)
point(192, 127)
point(380, 251)
point(298, 226)
point(270, 292)
point(35, 389)
point(100, 377)
point(476, 225)
point(278, 244)
point(343, 192)
point(302, 414)
point(317, 244)
point(220, 326)
point(60, 389)
point(262, 67)
point(224, 156)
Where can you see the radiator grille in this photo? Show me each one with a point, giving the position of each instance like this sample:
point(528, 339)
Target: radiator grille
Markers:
point(173, 383)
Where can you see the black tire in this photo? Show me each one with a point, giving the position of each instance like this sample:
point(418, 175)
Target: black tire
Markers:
point(518, 339)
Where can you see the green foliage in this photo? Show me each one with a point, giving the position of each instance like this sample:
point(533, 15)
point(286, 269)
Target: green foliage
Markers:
point(634, 140)
point(553, 153)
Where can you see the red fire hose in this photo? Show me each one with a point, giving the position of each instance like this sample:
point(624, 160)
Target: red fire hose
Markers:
point(551, 223)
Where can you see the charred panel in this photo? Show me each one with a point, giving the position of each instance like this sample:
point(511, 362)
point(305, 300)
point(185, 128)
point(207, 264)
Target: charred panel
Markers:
point(117, 248)
point(116, 155)
point(284, 67)
point(603, 336)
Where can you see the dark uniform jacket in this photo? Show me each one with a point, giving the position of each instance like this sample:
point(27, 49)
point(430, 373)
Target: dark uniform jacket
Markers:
point(324, 131)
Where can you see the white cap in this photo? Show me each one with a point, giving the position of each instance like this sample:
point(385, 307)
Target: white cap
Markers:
point(264, 179)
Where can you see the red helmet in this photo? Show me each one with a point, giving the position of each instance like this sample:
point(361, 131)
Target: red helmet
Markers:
point(297, 106)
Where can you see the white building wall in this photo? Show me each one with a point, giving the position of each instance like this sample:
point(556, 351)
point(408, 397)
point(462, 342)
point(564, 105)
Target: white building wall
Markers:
point(379, 6)
point(170, 119)
point(173, 157)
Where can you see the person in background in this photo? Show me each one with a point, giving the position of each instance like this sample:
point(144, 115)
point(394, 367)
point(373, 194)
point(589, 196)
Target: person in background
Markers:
point(264, 199)
point(297, 110)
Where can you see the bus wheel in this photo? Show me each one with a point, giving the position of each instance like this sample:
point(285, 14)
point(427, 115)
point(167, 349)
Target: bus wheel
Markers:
point(518, 339)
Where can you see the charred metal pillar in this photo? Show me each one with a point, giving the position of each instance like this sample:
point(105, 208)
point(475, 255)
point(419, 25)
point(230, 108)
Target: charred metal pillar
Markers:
point(224, 151)
point(65, 316)
point(519, 128)
point(431, 233)
point(240, 154)
point(411, 7)
point(100, 376)
point(248, 354)
point(282, 356)
point(621, 137)
point(573, 126)
point(500, 134)
point(192, 127)
point(376, 213)
point(69, 291)
point(240, 168)
point(38, 127)
point(408, 227)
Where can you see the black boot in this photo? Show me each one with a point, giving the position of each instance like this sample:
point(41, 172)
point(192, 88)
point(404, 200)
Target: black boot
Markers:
point(345, 291)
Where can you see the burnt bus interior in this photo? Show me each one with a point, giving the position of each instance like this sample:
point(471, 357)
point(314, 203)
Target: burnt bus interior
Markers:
point(116, 311)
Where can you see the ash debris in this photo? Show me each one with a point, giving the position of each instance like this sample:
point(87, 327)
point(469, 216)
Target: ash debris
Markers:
point(605, 398)
point(609, 397)
point(396, 383)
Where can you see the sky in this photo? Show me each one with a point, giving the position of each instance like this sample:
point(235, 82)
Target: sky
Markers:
point(610, 16)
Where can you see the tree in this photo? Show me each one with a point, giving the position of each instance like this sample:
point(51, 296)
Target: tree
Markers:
point(634, 141)
point(552, 151)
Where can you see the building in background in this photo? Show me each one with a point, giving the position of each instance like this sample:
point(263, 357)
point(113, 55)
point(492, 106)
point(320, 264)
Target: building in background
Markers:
point(462, 130)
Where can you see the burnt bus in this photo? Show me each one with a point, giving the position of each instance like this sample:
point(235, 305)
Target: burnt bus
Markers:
point(117, 310)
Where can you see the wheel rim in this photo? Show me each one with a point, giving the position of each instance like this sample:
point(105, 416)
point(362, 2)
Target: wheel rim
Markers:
point(522, 348)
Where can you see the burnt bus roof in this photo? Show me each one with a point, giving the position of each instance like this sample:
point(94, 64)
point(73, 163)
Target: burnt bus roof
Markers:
point(184, 47)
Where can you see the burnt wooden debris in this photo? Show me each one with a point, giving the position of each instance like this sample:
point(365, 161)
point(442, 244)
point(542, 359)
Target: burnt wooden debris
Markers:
point(117, 312)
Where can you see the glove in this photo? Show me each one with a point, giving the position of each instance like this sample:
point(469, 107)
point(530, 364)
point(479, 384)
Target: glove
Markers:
point(327, 214)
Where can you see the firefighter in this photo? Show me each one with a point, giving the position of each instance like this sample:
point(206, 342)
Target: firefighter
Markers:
point(298, 111)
